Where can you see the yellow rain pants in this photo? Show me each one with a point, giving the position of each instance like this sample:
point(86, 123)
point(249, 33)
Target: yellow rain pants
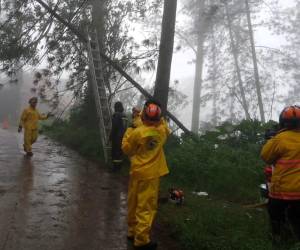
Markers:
point(144, 146)
point(142, 207)
point(29, 121)
point(30, 137)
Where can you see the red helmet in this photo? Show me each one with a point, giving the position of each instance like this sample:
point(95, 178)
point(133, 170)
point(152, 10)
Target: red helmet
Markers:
point(152, 112)
point(290, 117)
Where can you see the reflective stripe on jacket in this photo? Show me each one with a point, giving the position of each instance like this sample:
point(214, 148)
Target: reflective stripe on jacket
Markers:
point(283, 151)
point(144, 146)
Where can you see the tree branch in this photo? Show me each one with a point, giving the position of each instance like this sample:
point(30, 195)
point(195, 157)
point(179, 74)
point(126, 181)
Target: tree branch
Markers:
point(111, 62)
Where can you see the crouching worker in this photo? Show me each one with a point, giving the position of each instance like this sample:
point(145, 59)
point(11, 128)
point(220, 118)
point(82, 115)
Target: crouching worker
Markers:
point(283, 151)
point(29, 121)
point(144, 146)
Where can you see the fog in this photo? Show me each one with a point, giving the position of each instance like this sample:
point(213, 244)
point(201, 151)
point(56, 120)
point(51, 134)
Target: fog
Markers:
point(273, 46)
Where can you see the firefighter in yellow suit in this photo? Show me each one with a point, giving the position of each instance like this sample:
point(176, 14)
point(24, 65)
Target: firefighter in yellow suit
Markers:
point(29, 121)
point(144, 146)
point(283, 151)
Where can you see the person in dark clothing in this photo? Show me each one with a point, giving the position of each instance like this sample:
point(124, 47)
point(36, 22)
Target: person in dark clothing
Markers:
point(119, 126)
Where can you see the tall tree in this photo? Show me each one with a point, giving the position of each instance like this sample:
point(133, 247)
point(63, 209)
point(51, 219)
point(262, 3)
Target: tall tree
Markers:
point(287, 25)
point(202, 13)
point(254, 58)
point(236, 62)
point(213, 76)
point(162, 83)
point(200, 23)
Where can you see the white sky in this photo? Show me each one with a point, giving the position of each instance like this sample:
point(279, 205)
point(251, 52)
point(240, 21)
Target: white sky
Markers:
point(182, 71)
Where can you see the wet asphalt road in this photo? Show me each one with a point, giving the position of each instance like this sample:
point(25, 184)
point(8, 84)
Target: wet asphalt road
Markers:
point(57, 200)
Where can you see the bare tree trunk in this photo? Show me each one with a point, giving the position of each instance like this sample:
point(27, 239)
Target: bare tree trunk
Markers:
point(214, 79)
point(161, 90)
point(236, 63)
point(198, 85)
point(256, 74)
point(231, 107)
point(198, 68)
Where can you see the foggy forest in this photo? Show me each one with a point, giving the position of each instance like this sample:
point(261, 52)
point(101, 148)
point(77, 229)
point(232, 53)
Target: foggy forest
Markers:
point(225, 77)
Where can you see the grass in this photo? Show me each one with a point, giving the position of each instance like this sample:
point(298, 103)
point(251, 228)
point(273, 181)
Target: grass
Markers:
point(209, 223)
point(226, 164)
point(206, 223)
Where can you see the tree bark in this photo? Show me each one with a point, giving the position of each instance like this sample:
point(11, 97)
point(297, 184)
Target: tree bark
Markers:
point(256, 74)
point(161, 90)
point(237, 66)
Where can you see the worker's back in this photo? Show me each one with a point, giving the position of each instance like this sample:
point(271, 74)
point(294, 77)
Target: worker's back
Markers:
point(284, 151)
point(144, 145)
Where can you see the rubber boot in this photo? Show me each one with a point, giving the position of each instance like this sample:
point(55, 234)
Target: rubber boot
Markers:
point(29, 154)
point(150, 246)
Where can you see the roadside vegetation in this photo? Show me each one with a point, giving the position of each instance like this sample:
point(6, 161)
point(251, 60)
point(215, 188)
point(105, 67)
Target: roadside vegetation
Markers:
point(224, 162)
point(78, 132)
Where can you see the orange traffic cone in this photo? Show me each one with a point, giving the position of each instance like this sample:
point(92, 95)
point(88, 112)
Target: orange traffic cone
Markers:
point(5, 124)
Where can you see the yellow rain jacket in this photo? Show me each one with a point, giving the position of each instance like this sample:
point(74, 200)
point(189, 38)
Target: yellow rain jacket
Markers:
point(137, 121)
point(144, 146)
point(30, 118)
point(283, 151)
point(29, 121)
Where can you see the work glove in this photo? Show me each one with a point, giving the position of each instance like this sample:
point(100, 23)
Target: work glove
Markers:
point(20, 129)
